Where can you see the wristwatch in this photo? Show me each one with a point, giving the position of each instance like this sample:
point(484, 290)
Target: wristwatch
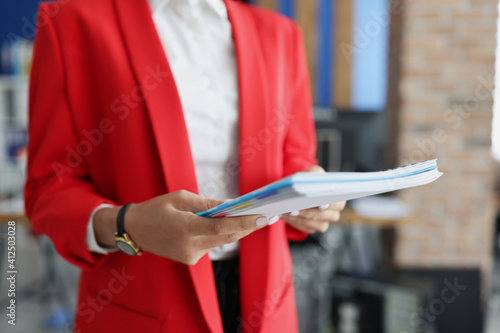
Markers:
point(122, 239)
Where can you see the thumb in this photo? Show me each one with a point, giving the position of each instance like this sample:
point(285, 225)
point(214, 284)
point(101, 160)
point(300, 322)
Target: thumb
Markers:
point(196, 203)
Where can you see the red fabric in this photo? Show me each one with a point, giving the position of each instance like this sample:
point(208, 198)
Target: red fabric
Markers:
point(106, 125)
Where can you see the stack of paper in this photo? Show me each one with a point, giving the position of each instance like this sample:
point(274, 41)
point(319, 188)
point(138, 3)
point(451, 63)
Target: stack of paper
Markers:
point(305, 189)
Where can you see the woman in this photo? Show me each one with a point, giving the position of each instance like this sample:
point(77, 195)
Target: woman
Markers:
point(153, 102)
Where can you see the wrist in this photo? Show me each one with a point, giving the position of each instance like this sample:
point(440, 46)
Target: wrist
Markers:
point(104, 224)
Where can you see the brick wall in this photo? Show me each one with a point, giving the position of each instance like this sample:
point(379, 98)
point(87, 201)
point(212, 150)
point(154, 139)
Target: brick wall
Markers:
point(440, 104)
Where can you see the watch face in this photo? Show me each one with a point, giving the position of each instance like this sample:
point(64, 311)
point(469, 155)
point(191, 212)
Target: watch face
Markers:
point(126, 248)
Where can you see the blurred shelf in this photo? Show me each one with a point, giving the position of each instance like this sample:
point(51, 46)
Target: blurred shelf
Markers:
point(18, 218)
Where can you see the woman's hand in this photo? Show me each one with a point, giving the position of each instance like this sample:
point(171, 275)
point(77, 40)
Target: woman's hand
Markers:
point(168, 226)
point(315, 219)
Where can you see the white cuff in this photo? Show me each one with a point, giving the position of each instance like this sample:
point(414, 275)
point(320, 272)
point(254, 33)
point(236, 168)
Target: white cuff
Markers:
point(90, 238)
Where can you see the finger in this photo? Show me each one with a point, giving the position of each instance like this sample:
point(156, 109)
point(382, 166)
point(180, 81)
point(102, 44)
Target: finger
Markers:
point(338, 205)
point(230, 225)
point(334, 206)
point(317, 214)
point(328, 216)
point(310, 226)
point(303, 228)
point(307, 225)
point(316, 226)
point(211, 241)
point(312, 212)
point(324, 207)
point(315, 169)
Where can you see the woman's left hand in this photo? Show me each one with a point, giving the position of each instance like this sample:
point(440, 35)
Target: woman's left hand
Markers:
point(315, 219)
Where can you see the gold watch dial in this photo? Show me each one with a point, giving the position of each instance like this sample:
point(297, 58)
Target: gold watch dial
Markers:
point(126, 245)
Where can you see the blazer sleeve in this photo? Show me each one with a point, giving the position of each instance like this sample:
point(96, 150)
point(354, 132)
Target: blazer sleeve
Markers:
point(59, 196)
point(300, 139)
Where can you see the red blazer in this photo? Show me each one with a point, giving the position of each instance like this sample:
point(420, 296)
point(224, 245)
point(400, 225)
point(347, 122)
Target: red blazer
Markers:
point(106, 125)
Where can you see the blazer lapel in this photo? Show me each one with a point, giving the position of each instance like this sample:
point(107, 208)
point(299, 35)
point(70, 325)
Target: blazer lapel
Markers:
point(255, 169)
point(147, 56)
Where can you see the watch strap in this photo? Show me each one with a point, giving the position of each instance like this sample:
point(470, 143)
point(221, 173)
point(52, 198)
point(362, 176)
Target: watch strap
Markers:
point(120, 219)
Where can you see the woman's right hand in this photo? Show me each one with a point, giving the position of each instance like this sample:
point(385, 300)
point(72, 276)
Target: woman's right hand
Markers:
point(168, 226)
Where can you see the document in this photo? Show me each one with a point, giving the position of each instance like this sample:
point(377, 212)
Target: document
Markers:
point(304, 190)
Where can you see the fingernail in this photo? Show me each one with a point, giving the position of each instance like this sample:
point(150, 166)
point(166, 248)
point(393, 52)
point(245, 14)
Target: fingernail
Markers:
point(261, 221)
point(273, 219)
point(323, 207)
point(295, 213)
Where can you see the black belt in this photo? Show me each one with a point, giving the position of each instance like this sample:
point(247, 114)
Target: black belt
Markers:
point(227, 282)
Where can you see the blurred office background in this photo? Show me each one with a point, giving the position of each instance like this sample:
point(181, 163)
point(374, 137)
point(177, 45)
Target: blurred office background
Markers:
point(394, 82)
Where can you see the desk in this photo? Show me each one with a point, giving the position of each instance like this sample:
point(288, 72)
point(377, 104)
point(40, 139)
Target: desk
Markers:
point(371, 236)
point(349, 216)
